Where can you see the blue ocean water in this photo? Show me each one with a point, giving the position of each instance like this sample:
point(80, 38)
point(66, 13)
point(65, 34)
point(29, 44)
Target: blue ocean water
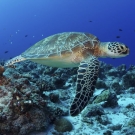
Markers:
point(22, 23)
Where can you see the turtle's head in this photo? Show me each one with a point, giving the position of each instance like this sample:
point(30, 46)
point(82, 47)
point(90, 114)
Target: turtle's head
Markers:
point(114, 49)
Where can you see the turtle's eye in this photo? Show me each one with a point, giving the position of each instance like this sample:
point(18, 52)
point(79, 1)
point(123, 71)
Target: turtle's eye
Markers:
point(122, 47)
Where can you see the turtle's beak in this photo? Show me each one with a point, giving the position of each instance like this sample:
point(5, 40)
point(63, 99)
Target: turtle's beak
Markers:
point(126, 51)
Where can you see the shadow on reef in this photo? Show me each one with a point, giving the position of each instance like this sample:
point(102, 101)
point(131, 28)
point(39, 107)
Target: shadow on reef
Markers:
point(32, 96)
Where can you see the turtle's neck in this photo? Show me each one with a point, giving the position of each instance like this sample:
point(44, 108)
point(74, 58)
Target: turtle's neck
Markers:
point(103, 49)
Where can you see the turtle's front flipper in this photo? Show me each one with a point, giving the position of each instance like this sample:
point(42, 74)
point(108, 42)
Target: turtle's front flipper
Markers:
point(86, 81)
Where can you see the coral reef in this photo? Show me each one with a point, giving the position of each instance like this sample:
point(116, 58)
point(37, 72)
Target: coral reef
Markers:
point(24, 105)
point(1, 70)
point(33, 97)
point(62, 125)
point(100, 84)
point(109, 99)
point(128, 80)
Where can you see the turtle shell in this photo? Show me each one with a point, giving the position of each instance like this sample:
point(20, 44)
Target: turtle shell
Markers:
point(57, 44)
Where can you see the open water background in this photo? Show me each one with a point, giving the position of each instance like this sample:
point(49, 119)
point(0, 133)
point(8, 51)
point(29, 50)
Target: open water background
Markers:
point(24, 22)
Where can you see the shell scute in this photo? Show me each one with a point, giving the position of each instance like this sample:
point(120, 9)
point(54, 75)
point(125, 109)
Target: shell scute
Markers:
point(58, 44)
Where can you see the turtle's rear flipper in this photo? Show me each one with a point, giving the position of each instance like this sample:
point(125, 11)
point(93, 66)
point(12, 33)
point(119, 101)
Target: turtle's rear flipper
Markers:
point(86, 81)
point(14, 60)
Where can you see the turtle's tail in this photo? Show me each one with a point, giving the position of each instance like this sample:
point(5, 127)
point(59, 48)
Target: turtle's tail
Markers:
point(14, 60)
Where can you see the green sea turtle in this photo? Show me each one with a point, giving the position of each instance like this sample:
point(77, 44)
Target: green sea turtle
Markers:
point(73, 49)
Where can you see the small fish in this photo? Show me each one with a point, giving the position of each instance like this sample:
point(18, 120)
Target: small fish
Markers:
point(120, 30)
point(90, 21)
point(26, 35)
point(6, 52)
point(117, 36)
